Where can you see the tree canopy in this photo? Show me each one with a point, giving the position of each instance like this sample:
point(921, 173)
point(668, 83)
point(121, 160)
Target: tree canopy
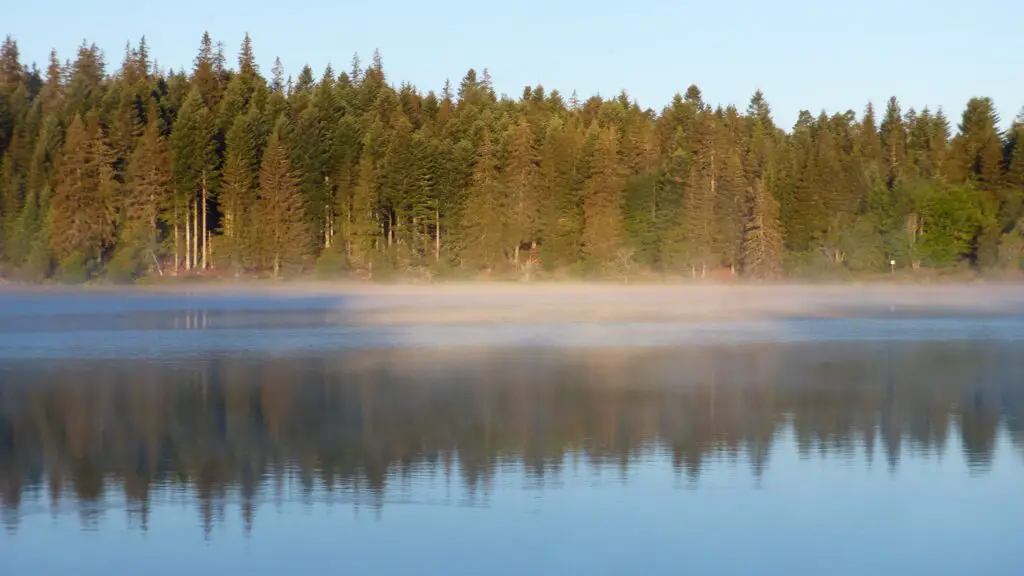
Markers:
point(137, 171)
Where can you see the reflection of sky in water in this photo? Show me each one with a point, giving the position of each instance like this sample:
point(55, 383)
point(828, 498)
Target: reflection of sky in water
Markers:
point(870, 445)
point(824, 514)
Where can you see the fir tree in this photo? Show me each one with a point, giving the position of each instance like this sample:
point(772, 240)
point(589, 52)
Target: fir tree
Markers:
point(81, 211)
point(148, 190)
point(602, 202)
point(193, 151)
point(483, 225)
point(283, 231)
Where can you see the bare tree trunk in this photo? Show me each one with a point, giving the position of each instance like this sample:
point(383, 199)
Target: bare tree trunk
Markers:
point(195, 233)
point(348, 230)
point(188, 237)
point(177, 243)
point(206, 229)
point(437, 234)
point(328, 215)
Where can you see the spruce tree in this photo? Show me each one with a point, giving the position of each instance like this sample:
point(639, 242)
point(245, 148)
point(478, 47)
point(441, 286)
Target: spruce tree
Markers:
point(521, 178)
point(148, 190)
point(602, 202)
point(193, 150)
point(483, 226)
point(81, 211)
point(284, 238)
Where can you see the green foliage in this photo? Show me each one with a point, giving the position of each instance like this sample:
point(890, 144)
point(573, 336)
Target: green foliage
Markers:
point(952, 220)
point(332, 264)
point(215, 170)
point(1011, 248)
point(73, 269)
point(125, 266)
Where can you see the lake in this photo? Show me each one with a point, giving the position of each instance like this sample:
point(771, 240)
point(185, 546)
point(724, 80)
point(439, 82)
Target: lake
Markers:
point(147, 433)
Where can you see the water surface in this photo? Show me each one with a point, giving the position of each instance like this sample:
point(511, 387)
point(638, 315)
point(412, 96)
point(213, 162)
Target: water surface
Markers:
point(164, 435)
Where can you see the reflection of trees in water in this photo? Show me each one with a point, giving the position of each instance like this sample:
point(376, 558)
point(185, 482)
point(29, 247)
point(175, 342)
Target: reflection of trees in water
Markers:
point(358, 424)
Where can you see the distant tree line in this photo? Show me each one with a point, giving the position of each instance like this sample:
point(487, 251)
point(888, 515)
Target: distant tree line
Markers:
point(217, 170)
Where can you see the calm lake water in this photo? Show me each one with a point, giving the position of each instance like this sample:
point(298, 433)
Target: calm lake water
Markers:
point(145, 434)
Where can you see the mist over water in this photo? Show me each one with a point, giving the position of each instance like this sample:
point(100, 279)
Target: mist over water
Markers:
point(857, 446)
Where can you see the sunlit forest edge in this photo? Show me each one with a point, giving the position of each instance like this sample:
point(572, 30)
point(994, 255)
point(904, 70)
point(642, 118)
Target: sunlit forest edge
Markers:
point(136, 172)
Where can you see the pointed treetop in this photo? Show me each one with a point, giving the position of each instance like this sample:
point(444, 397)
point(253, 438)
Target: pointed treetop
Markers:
point(306, 80)
point(356, 72)
point(694, 97)
point(219, 61)
point(54, 69)
point(10, 65)
point(277, 76)
point(246, 58)
point(205, 55)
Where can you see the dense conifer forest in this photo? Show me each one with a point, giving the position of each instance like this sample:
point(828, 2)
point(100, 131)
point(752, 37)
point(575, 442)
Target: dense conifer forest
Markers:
point(126, 171)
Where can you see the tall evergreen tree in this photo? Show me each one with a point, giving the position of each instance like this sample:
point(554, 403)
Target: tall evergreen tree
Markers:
point(283, 230)
point(193, 150)
point(602, 202)
point(81, 220)
point(148, 192)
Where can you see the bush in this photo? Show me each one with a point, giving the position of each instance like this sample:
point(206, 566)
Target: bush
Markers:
point(39, 264)
point(332, 264)
point(125, 267)
point(73, 269)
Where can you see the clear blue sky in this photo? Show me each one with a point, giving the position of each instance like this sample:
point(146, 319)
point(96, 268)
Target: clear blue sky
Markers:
point(804, 54)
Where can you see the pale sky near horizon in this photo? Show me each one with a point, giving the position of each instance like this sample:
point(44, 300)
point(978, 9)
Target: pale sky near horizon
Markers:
point(804, 54)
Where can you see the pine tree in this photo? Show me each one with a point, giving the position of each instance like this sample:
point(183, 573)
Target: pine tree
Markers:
point(11, 70)
point(483, 225)
point(699, 194)
point(894, 143)
point(762, 243)
point(977, 149)
point(762, 248)
point(245, 141)
point(193, 151)
point(280, 218)
point(521, 181)
point(148, 190)
point(361, 210)
point(81, 211)
point(602, 202)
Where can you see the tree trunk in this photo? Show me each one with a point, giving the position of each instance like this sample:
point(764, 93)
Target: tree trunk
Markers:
point(437, 234)
point(177, 244)
point(348, 230)
point(328, 215)
point(206, 229)
point(188, 237)
point(195, 234)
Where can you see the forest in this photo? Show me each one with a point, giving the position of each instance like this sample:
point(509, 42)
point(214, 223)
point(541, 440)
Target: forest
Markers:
point(138, 172)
